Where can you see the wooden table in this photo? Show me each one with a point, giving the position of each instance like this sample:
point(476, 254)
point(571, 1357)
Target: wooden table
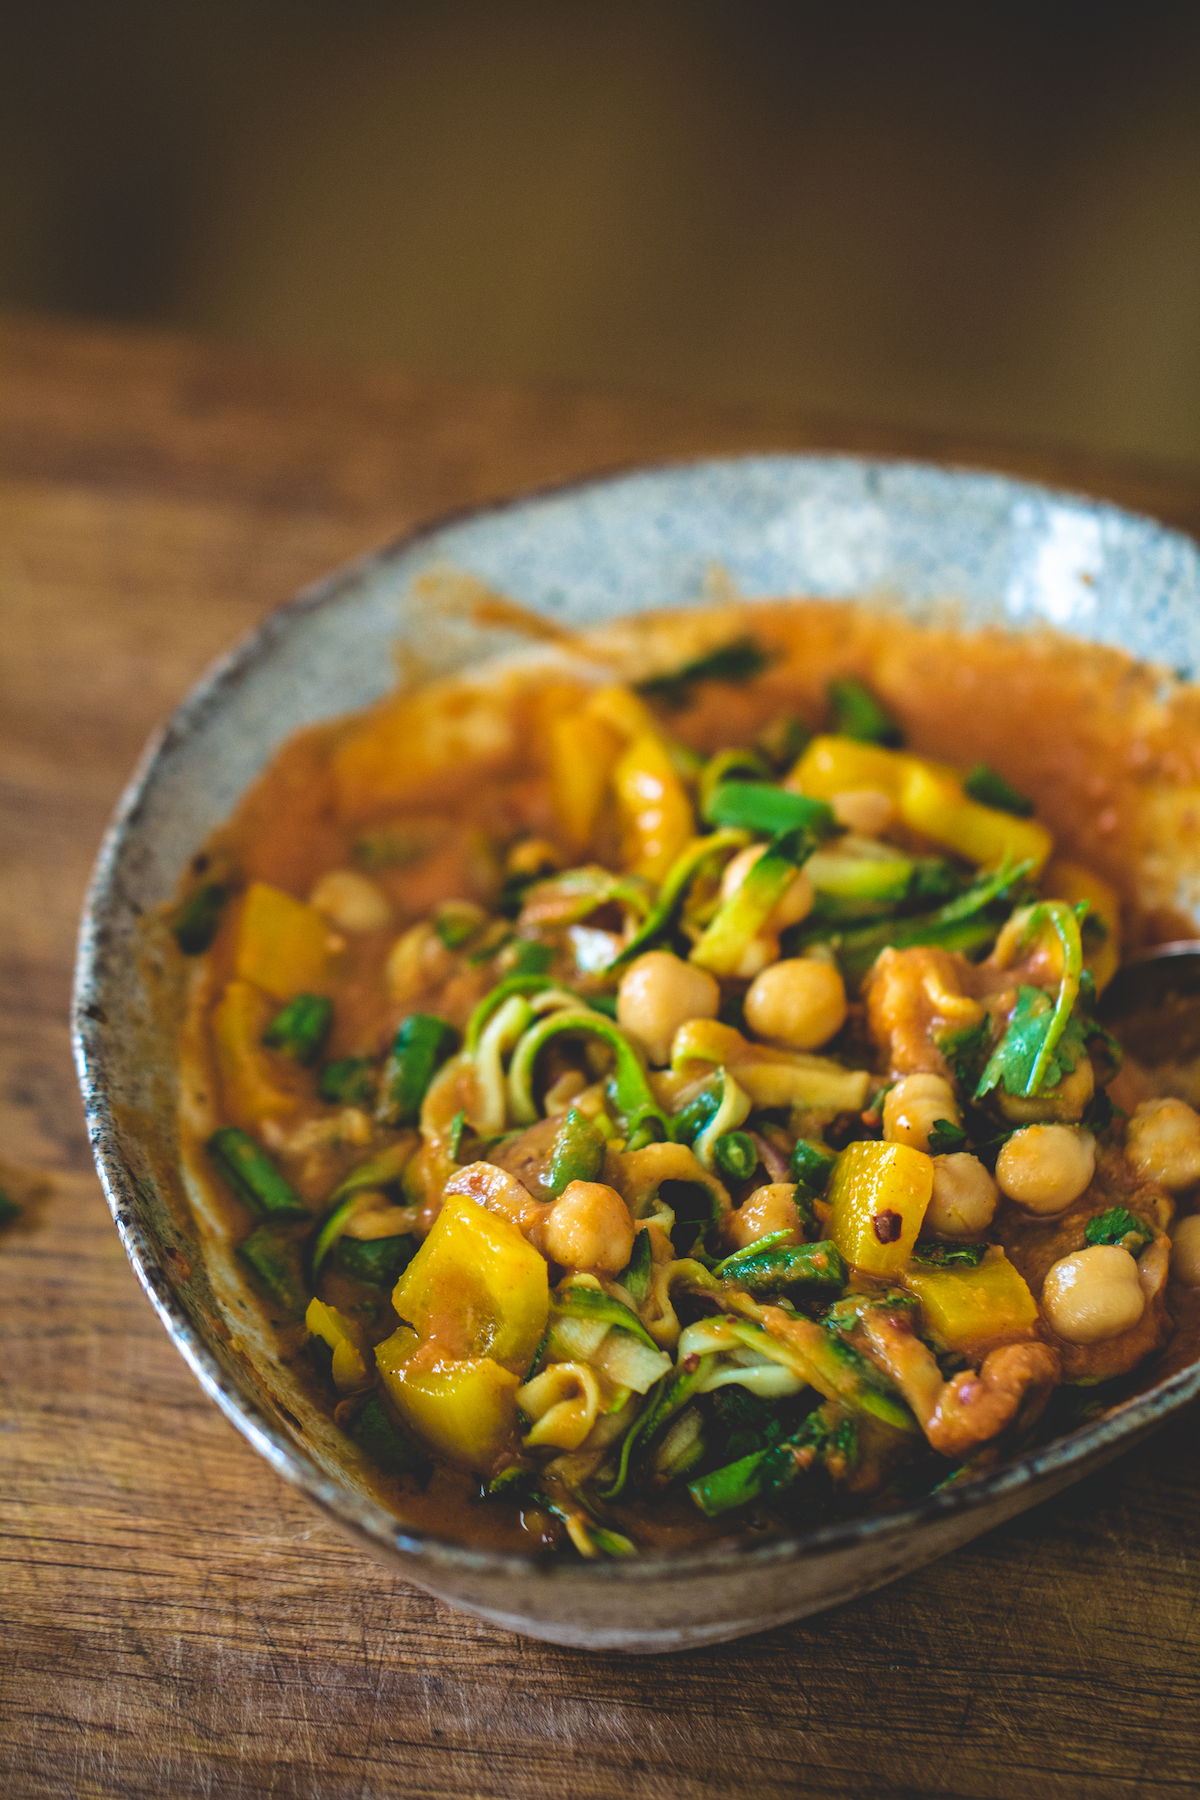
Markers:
point(175, 1621)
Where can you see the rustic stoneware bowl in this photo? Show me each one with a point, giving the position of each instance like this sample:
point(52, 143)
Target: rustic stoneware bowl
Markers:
point(1003, 550)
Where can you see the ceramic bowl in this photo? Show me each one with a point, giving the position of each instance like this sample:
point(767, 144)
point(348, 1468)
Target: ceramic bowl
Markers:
point(919, 535)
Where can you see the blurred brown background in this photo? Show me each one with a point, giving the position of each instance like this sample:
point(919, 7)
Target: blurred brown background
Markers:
point(978, 218)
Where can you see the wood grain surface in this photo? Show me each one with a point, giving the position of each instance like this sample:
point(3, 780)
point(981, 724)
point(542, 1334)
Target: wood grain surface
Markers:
point(174, 1621)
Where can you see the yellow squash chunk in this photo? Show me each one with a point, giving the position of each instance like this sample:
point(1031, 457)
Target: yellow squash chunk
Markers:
point(475, 1288)
point(282, 943)
point(624, 712)
point(656, 814)
point(413, 739)
point(336, 1330)
point(465, 1409)
point(968, 1306)
point(838, 765)
point(583, 750)
point(769, 1077)
point(1071, 881)
point(878, 1194)
point(255, 1085)
point(936, 806)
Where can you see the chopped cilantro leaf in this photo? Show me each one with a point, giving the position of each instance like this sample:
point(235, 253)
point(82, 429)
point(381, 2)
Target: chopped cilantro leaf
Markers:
point(989, 787)
point(946, 1139)
point(1011, 1063)
point(942, 1253)
point(966, 1051)
point(740, 660)
point(1116, 1226)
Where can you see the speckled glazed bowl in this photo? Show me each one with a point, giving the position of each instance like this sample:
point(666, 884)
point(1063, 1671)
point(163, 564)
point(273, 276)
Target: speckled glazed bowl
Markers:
point(839, 527)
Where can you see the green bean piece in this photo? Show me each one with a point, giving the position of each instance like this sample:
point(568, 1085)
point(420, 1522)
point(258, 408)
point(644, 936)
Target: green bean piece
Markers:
point(989, 787)
point(421, 1046)
point(761, 806)
point(812, 1164)
point(274, 1261)
point(9, 1210)
point(300, 1030)
point(384, 1442)
point(858, 714)
point(740, 660)
point(578, 1154)
point(197, 917)
point(775, 1270)
point(637, 1277)
point(378, 1261)
point(350, 1081)
point(736, 1155)
point(249, 1171)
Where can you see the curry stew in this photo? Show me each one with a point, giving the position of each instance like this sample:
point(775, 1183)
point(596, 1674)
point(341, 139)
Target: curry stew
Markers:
point(656, 1088)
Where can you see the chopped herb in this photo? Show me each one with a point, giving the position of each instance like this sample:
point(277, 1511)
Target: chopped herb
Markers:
point(300, 1030)
point(458, 1125)
point(740, 660)
point(197, 917)
point(386, 1445)
point(946, 1139)
point(990, 789)
point(350, 1081)
point(966, 1052)
point(1099, 1112)
point(1116, 1226)
point(858, 714)
point(1014, 1060)
point(945, 1253)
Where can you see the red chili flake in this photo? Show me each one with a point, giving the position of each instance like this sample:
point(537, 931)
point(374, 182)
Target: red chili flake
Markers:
point(691, 1363)
point(888, 1226)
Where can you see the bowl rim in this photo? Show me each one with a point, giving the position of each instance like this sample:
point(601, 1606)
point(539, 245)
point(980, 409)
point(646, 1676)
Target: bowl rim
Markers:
point(367, 1519)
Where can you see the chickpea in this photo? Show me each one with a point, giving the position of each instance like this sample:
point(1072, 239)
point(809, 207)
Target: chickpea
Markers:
point(1162, 1141)
point(793, 905)
point(589, 1227)
point(914, 1105)
point(799, 1003)
point(767, 1209)
point(1066, 1102)
point(1044, 1167)
point(1185, 1251)
point(867, 811)
point(964, 1197)
point(659, 993)
point(351, 901)
point(1094, 1295)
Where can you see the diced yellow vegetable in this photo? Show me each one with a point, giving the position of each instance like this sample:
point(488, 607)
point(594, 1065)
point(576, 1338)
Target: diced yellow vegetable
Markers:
point(336, 1330)
point(769, 1077)
point(838, 765)
point(255, 1085)
point(967, 1306)
point(475, 1288)
point(1071, 881)
point(936, 806)
point(624, 712)
point(879, 1193)
point(465, 1409)
point(583, 751)
point(408, 741)
point(656, 814)
point(282, 944)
